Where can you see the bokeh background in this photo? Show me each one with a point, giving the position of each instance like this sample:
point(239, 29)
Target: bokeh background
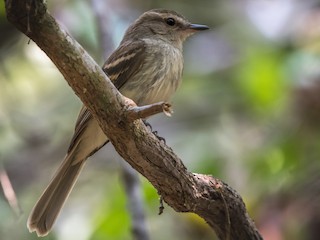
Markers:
point(248, 112)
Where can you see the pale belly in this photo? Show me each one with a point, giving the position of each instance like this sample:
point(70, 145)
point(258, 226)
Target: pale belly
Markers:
point(158, 79)
point(143, 95)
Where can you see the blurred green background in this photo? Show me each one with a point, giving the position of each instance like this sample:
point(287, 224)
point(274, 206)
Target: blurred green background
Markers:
point(248, 112)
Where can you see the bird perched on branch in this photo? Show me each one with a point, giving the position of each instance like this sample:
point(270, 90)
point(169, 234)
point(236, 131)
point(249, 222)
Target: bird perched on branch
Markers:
point(147, 68)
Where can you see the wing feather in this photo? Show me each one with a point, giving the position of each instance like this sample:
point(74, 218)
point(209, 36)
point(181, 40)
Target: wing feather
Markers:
point(125, 61)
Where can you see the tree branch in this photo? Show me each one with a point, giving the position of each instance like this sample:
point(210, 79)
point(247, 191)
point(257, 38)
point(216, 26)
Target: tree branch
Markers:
point(217, 203)
point(136, 112)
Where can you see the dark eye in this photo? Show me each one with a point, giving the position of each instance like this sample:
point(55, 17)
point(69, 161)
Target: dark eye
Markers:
point(170, 21)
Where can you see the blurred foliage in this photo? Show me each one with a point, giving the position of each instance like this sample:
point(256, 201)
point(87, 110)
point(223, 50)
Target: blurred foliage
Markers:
point(248, 112)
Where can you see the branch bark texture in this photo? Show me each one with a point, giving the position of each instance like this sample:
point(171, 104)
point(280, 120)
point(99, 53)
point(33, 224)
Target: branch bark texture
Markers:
point(217, 203)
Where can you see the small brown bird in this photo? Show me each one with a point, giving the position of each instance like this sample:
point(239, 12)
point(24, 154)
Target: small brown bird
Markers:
point(147, 68)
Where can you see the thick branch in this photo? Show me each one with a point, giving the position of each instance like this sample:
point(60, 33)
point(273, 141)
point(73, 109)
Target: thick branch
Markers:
point(213, 200)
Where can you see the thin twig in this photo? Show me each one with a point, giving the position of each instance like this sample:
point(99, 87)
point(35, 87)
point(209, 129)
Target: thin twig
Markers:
point(133, 191)
point(9, 192)
point(161, 207)
point(143, 112)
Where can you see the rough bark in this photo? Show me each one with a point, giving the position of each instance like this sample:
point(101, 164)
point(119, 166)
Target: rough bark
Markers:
point(213, 200)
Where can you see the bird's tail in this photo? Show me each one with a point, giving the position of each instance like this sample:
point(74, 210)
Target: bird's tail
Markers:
point(88, 138)
point(47, 208)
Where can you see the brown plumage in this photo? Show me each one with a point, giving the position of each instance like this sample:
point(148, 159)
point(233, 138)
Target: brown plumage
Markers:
point(146, 67)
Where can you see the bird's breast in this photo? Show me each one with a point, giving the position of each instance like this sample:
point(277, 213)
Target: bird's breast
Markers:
point(159, 77)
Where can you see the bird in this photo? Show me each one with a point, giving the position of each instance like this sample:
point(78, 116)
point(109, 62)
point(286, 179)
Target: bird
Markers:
point(146, 67)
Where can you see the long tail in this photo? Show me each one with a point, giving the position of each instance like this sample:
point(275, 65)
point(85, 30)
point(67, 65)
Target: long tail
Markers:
point(53, 198)
point(87, 139)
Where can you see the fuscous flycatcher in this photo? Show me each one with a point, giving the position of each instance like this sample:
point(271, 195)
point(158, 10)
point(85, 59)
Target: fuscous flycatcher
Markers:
point(147, 68)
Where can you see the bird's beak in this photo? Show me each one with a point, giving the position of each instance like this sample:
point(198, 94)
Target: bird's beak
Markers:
point(198, 27)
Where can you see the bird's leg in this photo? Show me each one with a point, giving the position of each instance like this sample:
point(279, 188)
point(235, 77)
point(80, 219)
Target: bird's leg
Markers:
point(148, 125)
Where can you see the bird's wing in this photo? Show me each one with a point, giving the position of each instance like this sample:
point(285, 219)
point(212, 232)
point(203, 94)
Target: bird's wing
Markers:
point(83, 118)
point(123, 63)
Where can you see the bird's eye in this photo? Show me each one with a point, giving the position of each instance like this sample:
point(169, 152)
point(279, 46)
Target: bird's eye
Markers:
point(170, 21)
